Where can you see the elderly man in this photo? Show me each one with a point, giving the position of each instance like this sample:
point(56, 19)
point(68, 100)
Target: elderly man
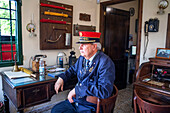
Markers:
point(95, 72)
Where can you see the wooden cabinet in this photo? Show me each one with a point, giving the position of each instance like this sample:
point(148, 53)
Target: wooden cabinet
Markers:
point(155, 91)
point(55, 25)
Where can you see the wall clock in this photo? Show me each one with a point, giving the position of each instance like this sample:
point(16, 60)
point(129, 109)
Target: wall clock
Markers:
point(163, 4)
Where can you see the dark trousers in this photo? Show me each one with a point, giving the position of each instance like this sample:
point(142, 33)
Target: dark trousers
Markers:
point(67, 107)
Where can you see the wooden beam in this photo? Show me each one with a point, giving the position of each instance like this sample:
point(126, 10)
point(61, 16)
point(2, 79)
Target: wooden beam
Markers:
point(115, 2)
point(168, 33)
point(140, 13)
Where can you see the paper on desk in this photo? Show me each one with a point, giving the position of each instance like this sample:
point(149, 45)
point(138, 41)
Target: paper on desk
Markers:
point(56, 69)
point(21, 80)
point(13, 75)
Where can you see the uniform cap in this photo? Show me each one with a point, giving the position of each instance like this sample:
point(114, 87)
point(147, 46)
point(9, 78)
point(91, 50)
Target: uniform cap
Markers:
point(89, 37)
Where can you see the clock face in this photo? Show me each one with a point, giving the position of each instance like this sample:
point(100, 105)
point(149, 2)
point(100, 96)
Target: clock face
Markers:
point(163, 4)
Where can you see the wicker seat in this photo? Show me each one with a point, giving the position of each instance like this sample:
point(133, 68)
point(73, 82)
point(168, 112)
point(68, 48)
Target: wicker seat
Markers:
point(107, 104)
point(142, 106)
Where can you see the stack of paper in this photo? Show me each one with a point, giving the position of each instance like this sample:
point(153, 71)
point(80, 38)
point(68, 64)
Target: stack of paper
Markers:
point(14, 75)
point(56, 70)
point(55, 74)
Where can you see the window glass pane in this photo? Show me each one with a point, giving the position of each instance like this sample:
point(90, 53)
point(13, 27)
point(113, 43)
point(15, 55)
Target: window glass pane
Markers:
point(6, 56)
point(13, 15)
point(7, 47)
point(4, 13)
point(5, 27)
point(13, 5)
point(4, 4)
point(7, 38)
point(13, 28)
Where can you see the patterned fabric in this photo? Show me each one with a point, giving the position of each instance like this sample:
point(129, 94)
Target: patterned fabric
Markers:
point(87, 64)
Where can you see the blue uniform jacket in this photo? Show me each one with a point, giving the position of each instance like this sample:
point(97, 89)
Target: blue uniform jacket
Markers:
point(97, 81)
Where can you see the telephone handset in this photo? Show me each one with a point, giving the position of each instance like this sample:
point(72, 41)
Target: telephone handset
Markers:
point(146, 27)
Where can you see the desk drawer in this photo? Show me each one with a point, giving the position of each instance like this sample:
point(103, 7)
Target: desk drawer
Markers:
point(153, 96)
point(35, 95)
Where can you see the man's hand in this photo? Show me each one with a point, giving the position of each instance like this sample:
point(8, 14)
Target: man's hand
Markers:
point(71, 94)
point(59, 84)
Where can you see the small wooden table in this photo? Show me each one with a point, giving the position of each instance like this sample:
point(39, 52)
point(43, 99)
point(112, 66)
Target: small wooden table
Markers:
point(26, 94)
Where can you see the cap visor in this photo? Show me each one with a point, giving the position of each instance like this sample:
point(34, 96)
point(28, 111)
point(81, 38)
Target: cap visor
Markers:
point(83, 42)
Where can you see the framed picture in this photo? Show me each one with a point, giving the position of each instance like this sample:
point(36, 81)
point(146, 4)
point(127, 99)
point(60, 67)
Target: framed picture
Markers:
point(163, 53)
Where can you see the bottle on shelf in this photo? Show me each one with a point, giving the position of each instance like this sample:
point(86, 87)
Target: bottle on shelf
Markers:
point(41, 67)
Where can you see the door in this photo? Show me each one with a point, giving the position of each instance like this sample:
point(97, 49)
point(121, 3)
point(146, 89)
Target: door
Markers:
point(116, 42)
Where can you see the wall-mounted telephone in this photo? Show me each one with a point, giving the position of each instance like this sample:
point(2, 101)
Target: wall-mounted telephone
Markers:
point(152, 25)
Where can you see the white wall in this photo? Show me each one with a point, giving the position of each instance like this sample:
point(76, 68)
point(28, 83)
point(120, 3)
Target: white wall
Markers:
point(31, 45)
point(158, 39)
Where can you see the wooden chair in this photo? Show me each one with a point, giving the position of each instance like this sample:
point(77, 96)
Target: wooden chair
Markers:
point(107, 104)
point(142, 106)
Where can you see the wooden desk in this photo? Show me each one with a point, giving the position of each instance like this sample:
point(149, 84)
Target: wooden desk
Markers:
point(153, 93)
point(150, 92)
point(27, 94)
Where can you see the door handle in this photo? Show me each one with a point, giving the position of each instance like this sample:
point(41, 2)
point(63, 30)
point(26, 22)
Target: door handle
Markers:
point(127, 51)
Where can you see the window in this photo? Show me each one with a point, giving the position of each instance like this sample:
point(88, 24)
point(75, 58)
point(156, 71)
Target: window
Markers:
point(10, 32)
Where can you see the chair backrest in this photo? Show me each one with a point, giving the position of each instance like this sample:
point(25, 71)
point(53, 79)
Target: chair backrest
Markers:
point(143, 106)
point(107, 104)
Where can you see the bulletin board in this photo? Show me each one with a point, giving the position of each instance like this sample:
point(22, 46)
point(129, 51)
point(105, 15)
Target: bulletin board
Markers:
point(55, 25)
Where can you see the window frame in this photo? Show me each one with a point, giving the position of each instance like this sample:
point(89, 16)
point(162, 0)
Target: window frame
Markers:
point(19, 38)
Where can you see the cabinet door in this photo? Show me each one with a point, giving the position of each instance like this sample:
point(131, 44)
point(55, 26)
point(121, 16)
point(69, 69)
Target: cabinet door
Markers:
point(35, 95)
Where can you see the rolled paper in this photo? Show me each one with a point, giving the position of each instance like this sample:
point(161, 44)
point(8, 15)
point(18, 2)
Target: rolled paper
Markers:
point(55, 14)
point(53, 6)
point(27, 71)
point(53, 21)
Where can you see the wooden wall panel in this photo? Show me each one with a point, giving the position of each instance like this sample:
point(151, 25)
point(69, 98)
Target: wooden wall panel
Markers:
point(53, 35)
point(168, 33)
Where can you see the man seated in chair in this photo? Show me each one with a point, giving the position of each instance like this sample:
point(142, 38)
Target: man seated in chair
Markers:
point(95, 72)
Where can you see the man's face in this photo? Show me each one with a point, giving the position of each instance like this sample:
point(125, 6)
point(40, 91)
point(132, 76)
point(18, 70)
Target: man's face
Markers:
point(87, 50)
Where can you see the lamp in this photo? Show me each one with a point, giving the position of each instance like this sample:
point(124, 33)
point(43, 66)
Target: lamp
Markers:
point(163, 4)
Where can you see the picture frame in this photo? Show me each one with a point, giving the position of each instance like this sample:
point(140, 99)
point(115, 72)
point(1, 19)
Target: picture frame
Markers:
point(163, 53)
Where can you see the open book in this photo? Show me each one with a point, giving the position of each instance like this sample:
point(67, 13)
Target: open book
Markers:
point(14, 75)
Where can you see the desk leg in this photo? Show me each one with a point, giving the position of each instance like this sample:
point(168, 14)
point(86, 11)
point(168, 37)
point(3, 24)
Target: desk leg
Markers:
point(6, 102)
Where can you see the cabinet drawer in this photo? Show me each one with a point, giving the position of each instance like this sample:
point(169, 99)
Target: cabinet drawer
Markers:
point(35, 95)
point(153, 96)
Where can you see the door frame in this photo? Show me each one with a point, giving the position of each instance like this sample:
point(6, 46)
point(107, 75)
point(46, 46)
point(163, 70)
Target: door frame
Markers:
point(103, 6)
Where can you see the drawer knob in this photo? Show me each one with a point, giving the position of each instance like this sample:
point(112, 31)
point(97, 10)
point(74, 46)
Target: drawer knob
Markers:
point(36, 90)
